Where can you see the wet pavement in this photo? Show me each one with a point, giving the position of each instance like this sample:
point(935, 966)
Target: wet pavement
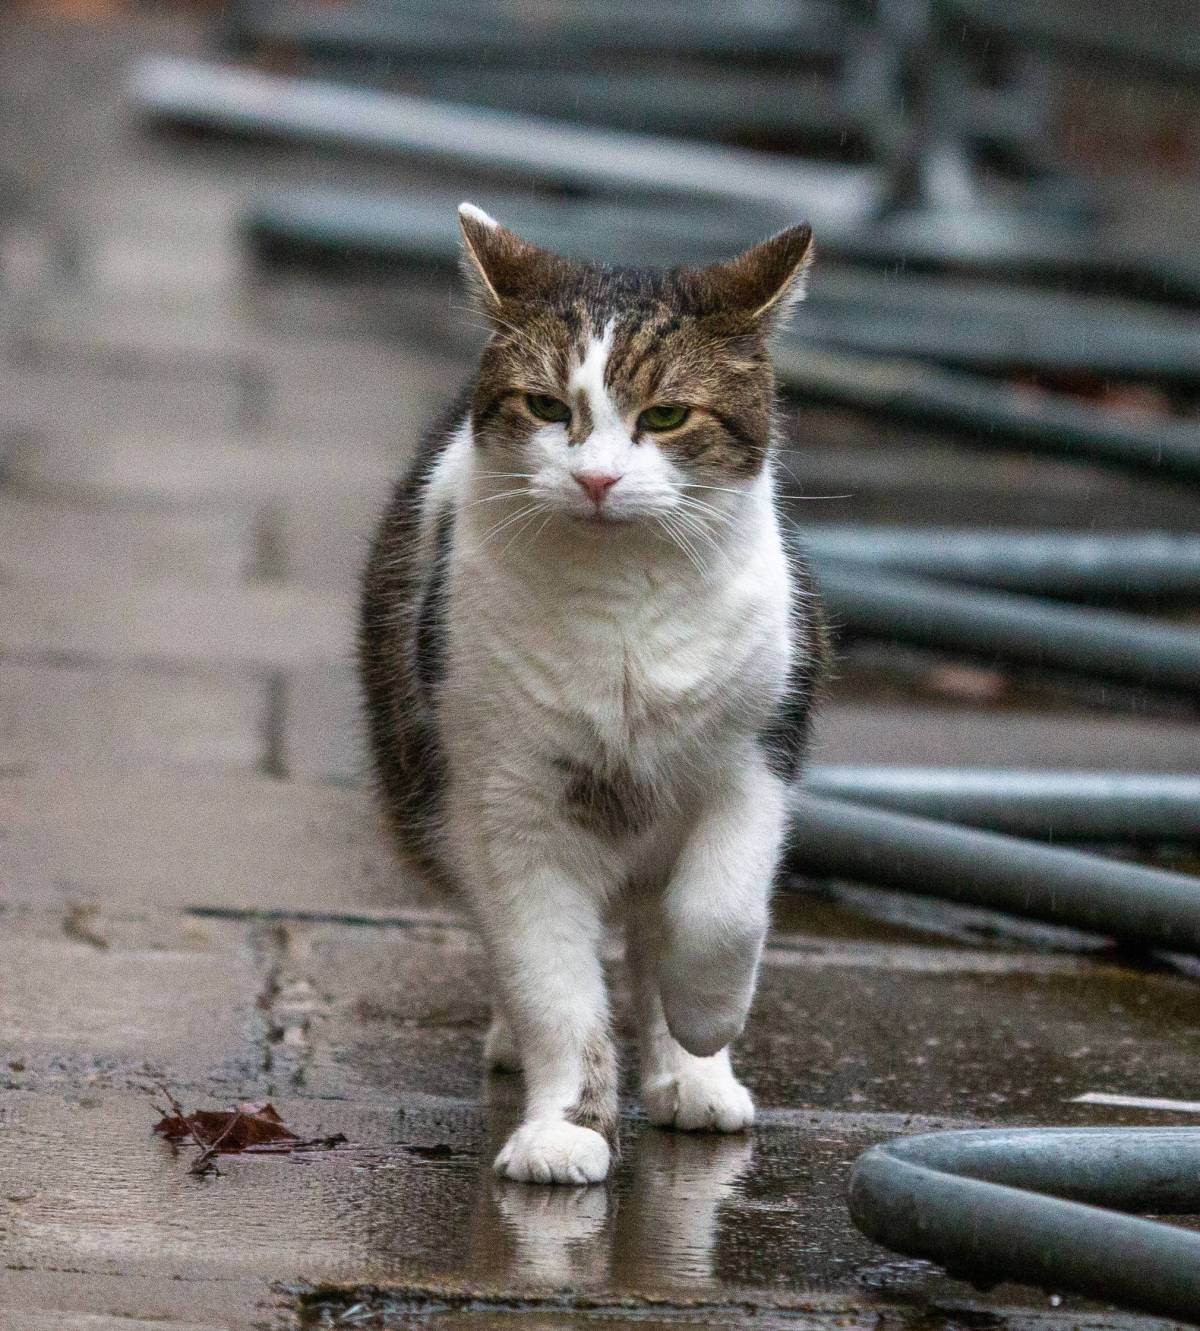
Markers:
point(195, 894)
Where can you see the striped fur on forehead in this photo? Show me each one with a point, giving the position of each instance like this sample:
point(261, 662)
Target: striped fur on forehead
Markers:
point(670, 340)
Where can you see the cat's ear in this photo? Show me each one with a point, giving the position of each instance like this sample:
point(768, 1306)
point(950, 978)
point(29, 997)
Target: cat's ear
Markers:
point(767, 279)
point(499, 263)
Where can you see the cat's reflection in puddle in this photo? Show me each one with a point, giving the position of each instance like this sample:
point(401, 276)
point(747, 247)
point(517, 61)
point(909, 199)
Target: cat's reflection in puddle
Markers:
point(655, 1228)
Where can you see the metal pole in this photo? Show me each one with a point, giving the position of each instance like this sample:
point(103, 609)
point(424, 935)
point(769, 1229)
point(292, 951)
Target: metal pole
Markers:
point(407, 229)
point(1148, 907)
point(1046, 805)
point(999, 626)
point(812, 30)
point(237, 101)
point(1043, 1206)
point(989, 413)
point(916, 316)
point(1052, 563)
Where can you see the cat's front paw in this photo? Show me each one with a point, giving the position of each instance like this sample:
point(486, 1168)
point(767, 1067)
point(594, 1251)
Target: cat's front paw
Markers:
point(553, 1151)
point(701, 1098)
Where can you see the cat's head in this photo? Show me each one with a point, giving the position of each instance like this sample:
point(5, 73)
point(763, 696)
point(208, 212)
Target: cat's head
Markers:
point(617, 394)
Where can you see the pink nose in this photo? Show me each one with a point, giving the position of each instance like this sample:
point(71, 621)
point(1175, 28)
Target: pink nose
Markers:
point(596, 483)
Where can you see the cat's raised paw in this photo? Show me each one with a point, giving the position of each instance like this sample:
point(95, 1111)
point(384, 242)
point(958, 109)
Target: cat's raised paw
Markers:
point(553, 1151)
point(701, 1098)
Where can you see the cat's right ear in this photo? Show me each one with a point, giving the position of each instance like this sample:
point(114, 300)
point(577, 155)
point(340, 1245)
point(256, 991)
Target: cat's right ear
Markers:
point(499, 263)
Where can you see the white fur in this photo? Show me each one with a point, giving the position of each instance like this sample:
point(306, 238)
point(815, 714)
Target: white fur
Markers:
point(477, 214)
point(606, 642)
point(551, 1151)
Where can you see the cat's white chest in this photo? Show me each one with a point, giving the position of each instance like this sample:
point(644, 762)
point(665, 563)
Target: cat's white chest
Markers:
point(641, 674)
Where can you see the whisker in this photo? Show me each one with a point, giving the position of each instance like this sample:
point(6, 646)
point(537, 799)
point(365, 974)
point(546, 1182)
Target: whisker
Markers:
point(709, 511)
point(524, 491)
point(682, 543)
point(695, 528)
point(516, 536)
point(508, 521)
point(724, 489)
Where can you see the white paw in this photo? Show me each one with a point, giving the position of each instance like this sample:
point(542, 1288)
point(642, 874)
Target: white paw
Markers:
point(701, 1098)
point(552, 1151)
point(500, 1049)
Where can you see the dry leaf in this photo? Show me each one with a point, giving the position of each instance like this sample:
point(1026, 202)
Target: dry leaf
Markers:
point(250, 1128)
point(228, 1130)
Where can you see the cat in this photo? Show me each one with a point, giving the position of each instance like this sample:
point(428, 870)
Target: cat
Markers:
point(588, 656)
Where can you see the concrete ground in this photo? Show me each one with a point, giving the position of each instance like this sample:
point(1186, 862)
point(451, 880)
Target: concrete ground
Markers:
point(194, 892)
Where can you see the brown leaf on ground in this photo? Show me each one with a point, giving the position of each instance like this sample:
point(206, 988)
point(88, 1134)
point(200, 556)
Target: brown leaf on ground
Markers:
point(249, 1129)
point(234, 1129)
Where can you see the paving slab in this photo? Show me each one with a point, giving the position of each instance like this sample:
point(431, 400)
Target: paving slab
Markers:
point(179, 841)
point(326, 540)
point(75, 542)
point(87, 1005)
point(322, 732)
point(87, 401)
point(173, 469)
point(74, 716)
point(166, 623)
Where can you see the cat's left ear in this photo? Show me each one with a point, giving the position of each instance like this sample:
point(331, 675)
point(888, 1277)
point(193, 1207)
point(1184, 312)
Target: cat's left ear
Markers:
point(767, 279)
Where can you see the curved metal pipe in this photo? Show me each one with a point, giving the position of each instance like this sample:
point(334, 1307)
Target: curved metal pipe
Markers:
point(1051, 563)
point(1005, 627)
point(217, 98)
point(989, 414)
point(1147, 907)
point(1046, 805)
point(1043, 1206)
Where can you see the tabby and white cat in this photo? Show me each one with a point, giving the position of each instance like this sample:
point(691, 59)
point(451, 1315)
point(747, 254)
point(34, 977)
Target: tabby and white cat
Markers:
point(588, 656)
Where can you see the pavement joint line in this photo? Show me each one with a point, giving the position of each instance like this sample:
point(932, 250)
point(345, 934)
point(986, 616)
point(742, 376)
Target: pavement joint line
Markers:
point(275, 728)
point(350, 919)
point(798, 954)
point(769, 1119)
point(409, 1300)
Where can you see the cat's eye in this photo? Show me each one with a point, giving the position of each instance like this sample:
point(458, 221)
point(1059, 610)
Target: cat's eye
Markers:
point(663, 416)
point(547, 408)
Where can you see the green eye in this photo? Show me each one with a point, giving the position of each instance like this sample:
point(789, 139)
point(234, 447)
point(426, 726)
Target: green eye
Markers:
point(547, 408)
point(664, 416)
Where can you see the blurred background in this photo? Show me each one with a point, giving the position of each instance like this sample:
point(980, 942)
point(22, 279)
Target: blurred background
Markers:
point(227, 234)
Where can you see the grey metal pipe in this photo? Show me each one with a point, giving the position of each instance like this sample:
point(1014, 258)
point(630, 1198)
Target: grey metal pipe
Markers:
point(989, 413)
point(494, 32)
point(1044, 1207)
point(1054, 563)
point(389, 227)
point(710, 102)
point(852, 308)
point(1130, 38)
point(238, 101)
point(999, 626)
point(1128, 807)
point(1147, 907)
